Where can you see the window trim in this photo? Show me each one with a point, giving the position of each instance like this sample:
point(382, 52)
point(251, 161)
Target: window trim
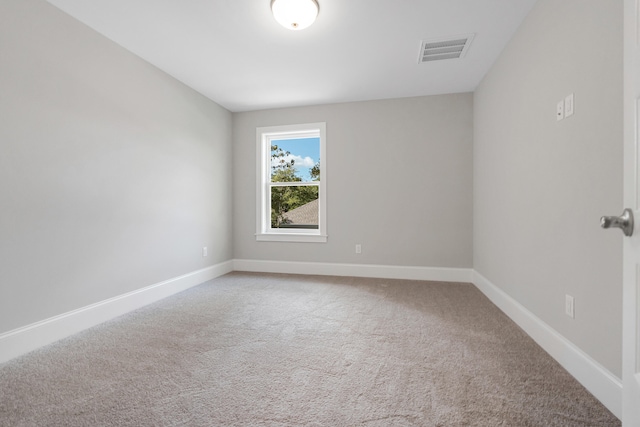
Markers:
point(264, 136)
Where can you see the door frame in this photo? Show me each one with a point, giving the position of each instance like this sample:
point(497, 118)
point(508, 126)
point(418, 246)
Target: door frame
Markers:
point(631, 246)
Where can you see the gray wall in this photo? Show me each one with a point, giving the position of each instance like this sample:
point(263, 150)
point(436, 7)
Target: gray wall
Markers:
point(542, 185)
point(113, 175)
point(399, 177)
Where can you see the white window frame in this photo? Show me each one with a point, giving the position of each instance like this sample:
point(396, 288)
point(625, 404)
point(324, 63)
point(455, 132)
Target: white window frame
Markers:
point(264, 136)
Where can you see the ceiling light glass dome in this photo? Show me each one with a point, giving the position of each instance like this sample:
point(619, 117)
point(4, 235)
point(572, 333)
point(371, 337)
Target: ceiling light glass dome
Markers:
point(295, 14)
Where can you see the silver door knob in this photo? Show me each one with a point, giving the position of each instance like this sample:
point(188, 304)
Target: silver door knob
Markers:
point(623, 222)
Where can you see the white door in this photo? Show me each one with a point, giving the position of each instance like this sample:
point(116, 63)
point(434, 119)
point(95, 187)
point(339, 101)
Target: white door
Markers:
point(631, 277)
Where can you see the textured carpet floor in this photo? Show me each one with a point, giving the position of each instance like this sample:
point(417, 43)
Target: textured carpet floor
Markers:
point(284, 350)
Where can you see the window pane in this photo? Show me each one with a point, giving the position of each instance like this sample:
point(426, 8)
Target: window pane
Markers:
point(295, 160)
point(294, 207)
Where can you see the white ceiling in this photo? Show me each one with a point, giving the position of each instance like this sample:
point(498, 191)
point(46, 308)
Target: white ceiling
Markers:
point(235, 53)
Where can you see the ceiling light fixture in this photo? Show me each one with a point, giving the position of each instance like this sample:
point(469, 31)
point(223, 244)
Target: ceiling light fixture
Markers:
point(295, 14)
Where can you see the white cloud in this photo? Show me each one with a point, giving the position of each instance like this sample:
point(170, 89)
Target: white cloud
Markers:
point(300, 162)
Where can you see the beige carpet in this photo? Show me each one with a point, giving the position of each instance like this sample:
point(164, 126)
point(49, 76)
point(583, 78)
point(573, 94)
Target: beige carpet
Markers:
point(284, 350)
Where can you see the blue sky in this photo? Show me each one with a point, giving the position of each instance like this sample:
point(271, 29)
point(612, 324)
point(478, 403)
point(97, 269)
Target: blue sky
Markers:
point(305, 152)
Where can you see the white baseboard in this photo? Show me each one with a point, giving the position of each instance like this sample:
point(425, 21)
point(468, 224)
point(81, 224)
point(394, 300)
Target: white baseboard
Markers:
point(355, 270)
point(605, 386)
point(27, 338)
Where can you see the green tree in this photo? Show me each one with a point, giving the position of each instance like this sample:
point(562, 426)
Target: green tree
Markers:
point(315, 172)
point(279, 161)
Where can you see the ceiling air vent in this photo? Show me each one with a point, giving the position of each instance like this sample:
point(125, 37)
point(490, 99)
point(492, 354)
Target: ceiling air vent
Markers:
point(444, 48)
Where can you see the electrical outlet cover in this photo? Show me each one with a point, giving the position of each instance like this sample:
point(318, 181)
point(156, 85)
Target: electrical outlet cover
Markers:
point(560, 110)
point(569, 306)
point(568, 106)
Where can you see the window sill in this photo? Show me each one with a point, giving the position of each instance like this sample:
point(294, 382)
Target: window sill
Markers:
point(286, 237)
